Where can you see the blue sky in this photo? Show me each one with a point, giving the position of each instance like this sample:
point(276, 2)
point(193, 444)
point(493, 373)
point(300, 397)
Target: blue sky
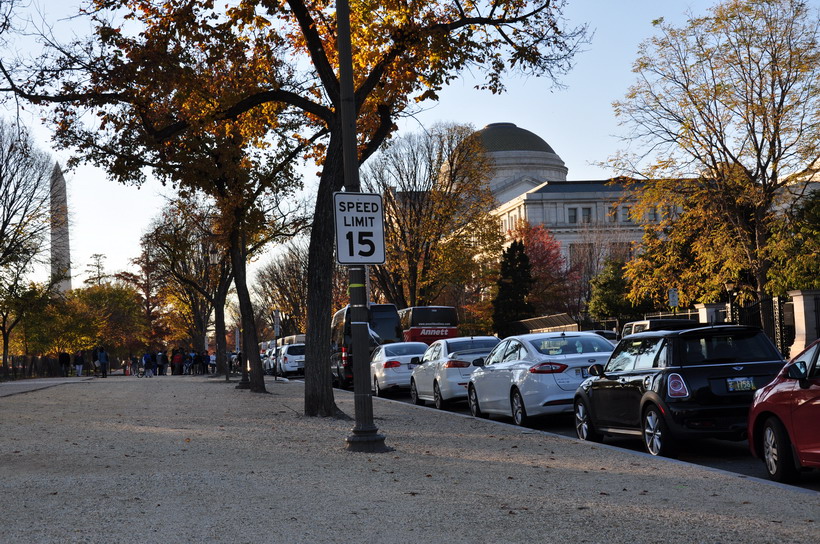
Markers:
point(578, 122)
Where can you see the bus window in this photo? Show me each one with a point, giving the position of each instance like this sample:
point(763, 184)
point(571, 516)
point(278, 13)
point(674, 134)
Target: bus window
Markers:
point(428, 323)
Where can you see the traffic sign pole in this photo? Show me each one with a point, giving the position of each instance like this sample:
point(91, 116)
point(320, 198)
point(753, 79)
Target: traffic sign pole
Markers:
point(365, 437)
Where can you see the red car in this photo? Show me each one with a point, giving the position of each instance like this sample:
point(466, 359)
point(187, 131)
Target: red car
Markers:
point(784, 419)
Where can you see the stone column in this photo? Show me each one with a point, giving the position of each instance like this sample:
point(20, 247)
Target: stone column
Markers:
point(709, 313)
point(60, 249)
point(806, 308)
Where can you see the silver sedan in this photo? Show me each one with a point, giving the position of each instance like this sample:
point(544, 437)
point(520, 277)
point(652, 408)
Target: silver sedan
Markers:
point(390, 365)
point(534, 374)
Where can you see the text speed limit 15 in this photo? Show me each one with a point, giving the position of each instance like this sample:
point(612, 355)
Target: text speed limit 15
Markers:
point(359, 219)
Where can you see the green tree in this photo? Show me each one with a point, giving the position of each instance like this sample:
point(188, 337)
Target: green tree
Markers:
point(609, 295)
point(725, 113)
point(795, 250)
point(514, 283)
point(119, 321)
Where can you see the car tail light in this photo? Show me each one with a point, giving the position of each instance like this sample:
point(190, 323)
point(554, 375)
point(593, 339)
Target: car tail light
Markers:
point(548, 368)
point(676, 387)
point(285, 359)
point(452, 363)
point(392, 364)
point(344, 357)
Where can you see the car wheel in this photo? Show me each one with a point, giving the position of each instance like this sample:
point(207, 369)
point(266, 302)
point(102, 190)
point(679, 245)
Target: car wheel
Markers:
point(777, 452)
point(472, 400)
point(519, 412)
point(439, 401)
point(414, 394)
point(656, 436)
point(376, 389)
point(584, 427)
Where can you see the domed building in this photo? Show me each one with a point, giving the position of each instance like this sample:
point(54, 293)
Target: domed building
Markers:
point(588, 218)
point(523, 160)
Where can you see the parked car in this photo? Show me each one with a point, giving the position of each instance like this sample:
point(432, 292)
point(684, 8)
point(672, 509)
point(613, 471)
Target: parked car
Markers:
point(534, 374)
point(269, 362)
point(784, 419)
point(390, 365)
point(667, 386)
point(444, 370)
point(634, 327)
point(290, 359)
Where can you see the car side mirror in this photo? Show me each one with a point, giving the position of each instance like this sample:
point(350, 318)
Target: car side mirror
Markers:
point(478, 362)
point(415, 360)
point(798, 370)
point(596, 370)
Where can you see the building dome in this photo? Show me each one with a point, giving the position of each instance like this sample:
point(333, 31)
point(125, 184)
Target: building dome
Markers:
point(508, 137)
point(522, 160)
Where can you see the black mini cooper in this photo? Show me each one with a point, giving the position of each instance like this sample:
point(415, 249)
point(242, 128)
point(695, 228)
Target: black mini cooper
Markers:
point(665, 386)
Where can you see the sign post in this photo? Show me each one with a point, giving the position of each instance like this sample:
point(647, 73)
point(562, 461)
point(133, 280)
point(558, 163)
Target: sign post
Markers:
point(359, 244)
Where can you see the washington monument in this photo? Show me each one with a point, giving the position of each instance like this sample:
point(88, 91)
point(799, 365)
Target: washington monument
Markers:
point(60, 249)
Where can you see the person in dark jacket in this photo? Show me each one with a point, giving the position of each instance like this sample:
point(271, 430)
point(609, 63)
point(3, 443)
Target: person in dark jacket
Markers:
point(79, 362)
point(65, 363)
point(102, 355)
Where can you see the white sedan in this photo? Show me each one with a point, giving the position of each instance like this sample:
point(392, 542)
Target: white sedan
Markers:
point(390, 365)
point(445, 369)
point(534, 374)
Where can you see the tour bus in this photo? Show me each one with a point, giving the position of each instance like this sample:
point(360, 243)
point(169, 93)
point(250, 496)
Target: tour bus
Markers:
point(383, 325)
point(428, 323)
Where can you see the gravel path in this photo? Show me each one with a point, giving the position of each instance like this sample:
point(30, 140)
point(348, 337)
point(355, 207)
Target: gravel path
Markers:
point(192, 459)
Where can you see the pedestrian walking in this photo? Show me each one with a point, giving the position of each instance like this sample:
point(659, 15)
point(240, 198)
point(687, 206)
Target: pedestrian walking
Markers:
point(79, 362)
point(102, 355)
point(65, 363)
point(147, 365)
point(177, 360)
point(162, 363)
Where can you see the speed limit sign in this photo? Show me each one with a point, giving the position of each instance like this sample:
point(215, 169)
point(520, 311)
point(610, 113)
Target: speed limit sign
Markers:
point(359, 221)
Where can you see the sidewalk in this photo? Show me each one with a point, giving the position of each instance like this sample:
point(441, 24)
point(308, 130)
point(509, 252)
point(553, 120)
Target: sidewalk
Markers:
point(180, 459)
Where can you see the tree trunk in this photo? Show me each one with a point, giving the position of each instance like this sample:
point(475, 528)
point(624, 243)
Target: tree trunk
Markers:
point(250, 344)
point(319, 399)
point(6, 335)
point(219, 329)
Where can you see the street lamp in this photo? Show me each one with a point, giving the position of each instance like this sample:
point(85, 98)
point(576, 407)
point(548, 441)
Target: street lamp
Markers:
point(213, 256)
point(730, 289)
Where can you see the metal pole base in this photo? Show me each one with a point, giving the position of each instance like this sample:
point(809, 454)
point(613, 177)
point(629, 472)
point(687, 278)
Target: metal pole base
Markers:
point(244, 382)
point(367, 442)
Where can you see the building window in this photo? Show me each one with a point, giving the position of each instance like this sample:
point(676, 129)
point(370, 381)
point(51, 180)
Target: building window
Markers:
point(572, 215)
point(652, 215)
point(613, 214)
point(620, 251)
point(625, 214)
point(586, 215)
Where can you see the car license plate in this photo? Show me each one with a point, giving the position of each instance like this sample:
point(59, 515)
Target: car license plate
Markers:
point(740, 384)
point(581, 373)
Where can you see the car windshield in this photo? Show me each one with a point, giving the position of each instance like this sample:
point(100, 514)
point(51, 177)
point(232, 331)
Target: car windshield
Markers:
point(727, 348)
point(471, 343)
point(397, 350)
point(571, 345)
point(296, 349)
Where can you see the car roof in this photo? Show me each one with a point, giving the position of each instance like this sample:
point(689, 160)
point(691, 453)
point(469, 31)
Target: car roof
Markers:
point(712, 329)
point(556, 334)
point(469, 338)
